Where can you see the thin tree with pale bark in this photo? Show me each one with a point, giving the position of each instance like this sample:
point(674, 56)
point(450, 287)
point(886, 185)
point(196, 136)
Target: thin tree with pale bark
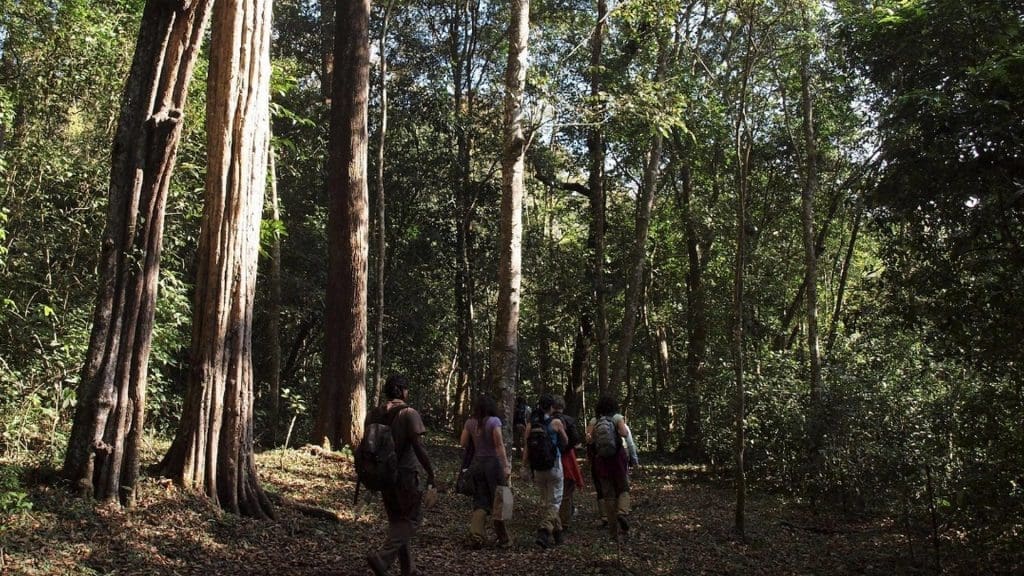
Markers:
point(505, 344)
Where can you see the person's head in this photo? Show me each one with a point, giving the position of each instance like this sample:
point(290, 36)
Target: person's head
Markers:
point(484, 408)
point(396, 386)
point(545, 403)
point(607, 406)
point(558, 403)
point(520, 401)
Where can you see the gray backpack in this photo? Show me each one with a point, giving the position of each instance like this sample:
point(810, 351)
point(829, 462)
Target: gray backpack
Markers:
point(606, 437)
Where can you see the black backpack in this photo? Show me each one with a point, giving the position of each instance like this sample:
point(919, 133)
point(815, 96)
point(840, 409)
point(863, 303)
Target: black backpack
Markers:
point(571, 430)
point(539, 448)
point(376, 458)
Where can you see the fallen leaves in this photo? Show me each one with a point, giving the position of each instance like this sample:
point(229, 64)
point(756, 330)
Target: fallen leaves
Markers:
point(679, 527)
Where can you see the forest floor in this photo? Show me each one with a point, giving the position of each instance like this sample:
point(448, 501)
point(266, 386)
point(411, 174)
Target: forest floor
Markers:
point(681, 525)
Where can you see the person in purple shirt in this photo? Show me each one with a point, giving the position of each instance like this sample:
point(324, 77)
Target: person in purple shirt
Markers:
point(489, 469)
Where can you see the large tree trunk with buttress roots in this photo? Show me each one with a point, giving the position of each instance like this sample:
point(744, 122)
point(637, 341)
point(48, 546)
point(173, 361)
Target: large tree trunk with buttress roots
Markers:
point(213, 448)
point(102, 458)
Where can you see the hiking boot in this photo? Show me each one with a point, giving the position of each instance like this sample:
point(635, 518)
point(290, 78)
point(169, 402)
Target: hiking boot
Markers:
point(623, 525)
point(559, 537)
point(377, 565)
point(543, 538)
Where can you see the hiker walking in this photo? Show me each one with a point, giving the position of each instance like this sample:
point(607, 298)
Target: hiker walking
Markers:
point(541, 453)
point(402, 498)
point(614, 453)
point(489, 469)
point(572, 477)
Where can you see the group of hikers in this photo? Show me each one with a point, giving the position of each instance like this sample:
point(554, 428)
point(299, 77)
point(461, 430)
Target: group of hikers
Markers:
point(545, 440)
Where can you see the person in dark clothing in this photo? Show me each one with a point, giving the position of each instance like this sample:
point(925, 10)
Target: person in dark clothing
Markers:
point(402, 502)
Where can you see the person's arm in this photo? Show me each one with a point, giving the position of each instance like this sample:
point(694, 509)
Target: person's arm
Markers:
point(464, 439)
point(630, 446)
point(499, 447)
point(421, 455)
point(558, 426)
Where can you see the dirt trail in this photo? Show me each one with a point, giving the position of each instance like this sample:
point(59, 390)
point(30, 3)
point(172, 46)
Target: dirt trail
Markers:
point(680, 527)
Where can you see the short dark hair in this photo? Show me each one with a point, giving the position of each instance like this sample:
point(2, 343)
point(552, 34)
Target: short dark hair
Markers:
point(395, 385)
point(545, 402)
point(607, 406)
point(558, 402)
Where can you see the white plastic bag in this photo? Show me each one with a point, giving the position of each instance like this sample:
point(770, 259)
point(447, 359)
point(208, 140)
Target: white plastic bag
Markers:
point(502, 511)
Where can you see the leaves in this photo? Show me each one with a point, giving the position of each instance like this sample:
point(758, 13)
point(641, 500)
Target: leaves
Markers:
point(679, 525)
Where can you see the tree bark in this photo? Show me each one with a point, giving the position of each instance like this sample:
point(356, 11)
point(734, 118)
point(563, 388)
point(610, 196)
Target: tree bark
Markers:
point(595, 148)
point(212, 450)
point(378, 349)
point(743, 146)
point(102, 459)
point(692, 446)
point(505, 344)
point(638, 256)
point(462, 42)
point(274, 311)
point(342, 402)
point(576, 388)
point(662, 389)
point(328, 10)
point(843, 276)
point(816, 419)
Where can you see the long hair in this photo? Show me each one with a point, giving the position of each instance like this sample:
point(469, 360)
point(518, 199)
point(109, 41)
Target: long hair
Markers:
point(607, 406)
point(484, 408)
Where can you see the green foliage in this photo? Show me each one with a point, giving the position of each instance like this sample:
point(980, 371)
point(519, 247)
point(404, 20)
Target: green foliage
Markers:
point(13, 498)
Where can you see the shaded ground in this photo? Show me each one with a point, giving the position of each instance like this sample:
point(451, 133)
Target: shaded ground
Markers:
point(681, 527)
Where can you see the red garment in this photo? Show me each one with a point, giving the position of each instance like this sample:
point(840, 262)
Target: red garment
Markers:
point(571, 468)
point(611, 466)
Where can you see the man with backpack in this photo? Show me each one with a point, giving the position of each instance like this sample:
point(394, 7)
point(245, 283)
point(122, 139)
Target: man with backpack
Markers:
point(400, 490)
point(572, 477)
point(614, 453)
point(541, 453)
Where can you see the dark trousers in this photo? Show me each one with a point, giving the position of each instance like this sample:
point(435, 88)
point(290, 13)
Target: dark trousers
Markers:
point(403, 507)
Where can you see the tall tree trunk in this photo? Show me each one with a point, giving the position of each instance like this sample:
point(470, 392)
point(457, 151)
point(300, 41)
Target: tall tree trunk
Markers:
point(816, 419)
point(743, 146)
point(212, 450)
point(274, 325)
point(692, 446)
point(843, 276)
point(102, 459)
point(576, 388)
point(663, 389)
point(461, 43)
point(342, 402)
point(328, 11)
point(378, 349)
point(505, 345)
point(638, 256)
point(595, 147)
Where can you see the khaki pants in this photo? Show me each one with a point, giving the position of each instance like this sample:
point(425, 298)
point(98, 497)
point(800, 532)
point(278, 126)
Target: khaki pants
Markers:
point(550, 484)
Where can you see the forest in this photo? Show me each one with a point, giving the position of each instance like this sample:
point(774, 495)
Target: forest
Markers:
point(786, 236)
